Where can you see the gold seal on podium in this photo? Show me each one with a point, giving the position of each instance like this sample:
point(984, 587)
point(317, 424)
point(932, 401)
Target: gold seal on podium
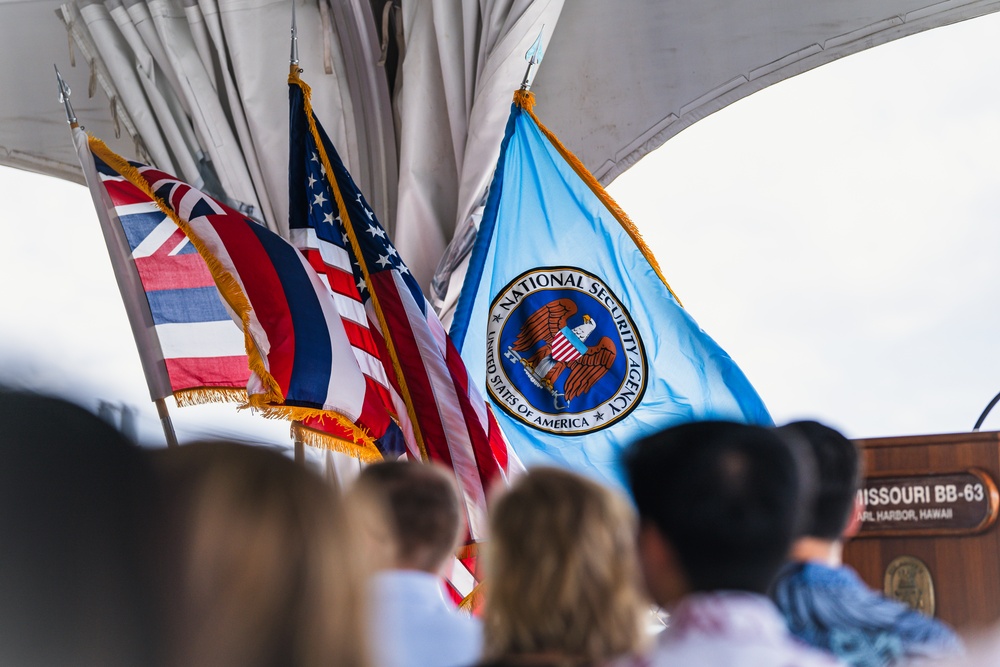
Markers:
point(908, 580)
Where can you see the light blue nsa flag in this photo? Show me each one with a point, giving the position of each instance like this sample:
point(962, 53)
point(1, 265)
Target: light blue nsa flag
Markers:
point(568, 321)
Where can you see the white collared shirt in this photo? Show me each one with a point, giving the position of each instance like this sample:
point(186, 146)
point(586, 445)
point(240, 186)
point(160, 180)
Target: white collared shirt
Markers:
point(411, 623)
point(729, 629)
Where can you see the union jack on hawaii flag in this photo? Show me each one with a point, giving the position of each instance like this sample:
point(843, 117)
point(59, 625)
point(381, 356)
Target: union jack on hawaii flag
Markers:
point(188, 344)
point(299, 357)
point(399, 341)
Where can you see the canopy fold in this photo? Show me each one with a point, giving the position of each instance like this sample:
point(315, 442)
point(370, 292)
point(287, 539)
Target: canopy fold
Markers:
point(415, 93)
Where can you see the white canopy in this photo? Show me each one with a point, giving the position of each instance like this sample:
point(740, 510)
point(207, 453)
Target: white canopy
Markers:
point(198, 87)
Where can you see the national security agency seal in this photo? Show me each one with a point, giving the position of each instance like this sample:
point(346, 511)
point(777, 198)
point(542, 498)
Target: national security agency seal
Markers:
point(562, 352)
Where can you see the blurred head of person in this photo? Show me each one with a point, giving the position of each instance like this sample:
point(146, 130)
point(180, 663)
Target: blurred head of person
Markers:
point(268, 572)
point(79, 513)
point(719, 506)
point(835, 511)
point(562, 578)
point(412, 515)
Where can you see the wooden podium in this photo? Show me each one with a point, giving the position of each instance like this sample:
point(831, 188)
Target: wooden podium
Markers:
point(929, 535)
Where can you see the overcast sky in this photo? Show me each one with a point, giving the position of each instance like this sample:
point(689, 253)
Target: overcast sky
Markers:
point(838, 234)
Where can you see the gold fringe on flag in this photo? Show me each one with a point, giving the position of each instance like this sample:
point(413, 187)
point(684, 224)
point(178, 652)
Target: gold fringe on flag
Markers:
point(364, 451)
point(525, 99)
point(296, 413)
point(203, 395)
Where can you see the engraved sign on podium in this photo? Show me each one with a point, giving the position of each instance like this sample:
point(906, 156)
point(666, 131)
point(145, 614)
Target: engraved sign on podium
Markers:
point(960, 503)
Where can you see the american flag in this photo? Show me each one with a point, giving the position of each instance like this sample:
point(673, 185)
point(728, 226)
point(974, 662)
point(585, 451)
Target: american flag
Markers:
point(400, 337)
point(181, 325)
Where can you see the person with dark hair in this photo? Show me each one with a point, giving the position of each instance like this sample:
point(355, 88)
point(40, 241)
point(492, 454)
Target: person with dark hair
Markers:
point(414, 520)
point(719, 506)
point(825, 602)
point(79, 511)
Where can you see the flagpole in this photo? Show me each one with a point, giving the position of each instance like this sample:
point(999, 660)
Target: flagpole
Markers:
point(166, 423)
point(161, 406)
point(293, 57)
point(300, 446)
point(293, 60)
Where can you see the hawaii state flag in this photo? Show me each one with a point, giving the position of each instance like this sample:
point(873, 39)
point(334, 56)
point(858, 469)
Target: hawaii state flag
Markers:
point(188, 345)
point(300, 361)
point(567, 321)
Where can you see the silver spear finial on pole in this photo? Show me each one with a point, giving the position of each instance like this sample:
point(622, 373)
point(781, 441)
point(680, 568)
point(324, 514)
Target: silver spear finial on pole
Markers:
point(533, 56)
point(294, 57)
point(64, 94)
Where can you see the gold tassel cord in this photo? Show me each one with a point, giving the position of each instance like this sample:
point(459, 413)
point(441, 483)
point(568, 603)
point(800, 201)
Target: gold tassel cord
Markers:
point(468, 551)
point(231, 291)
point(293, 79)
point(472, 600)
point(525, 99)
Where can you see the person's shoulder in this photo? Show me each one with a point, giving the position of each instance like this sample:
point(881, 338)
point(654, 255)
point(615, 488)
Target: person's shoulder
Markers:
point(632, 660)
point(922, 635)
point(910, 625)
point(804, 655)
point(542, 661)
point(724, 652)
point(809, 575)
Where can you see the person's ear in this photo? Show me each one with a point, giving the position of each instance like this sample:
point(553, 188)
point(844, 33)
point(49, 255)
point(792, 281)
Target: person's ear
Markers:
point(665, 578)
point(854, 523)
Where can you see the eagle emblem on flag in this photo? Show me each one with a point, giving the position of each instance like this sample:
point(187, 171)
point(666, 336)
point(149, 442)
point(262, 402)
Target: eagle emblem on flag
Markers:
point(563, 355)
point(563, 348)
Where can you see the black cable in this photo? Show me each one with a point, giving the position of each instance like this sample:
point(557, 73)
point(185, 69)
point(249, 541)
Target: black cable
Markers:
point(982, 417)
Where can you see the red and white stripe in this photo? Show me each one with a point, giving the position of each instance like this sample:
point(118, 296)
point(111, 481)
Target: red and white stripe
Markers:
point(333, 264)
point(563, 350)
point(455, 423)
point(452, 417)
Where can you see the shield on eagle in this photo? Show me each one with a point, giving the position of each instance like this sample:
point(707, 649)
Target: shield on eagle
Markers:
point(562, 348)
